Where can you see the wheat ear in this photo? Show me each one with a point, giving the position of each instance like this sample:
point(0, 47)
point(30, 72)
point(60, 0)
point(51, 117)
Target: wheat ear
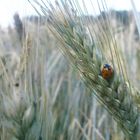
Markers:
point(85, 56)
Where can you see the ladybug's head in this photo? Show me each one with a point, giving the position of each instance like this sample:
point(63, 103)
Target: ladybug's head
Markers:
point(107, 66)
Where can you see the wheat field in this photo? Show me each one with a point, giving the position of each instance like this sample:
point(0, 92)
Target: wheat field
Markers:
point(51, 85)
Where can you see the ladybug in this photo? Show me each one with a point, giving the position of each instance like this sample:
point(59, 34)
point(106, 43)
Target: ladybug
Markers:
point(107, 72)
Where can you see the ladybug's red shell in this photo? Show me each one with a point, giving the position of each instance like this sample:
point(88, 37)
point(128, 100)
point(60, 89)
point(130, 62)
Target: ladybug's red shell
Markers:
point(107, 72)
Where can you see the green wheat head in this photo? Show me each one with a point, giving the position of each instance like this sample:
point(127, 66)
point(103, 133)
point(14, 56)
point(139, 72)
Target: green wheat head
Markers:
point(88, 50)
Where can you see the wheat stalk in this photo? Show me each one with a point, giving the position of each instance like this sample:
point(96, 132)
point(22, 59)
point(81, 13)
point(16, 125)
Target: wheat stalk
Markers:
point(88, 57)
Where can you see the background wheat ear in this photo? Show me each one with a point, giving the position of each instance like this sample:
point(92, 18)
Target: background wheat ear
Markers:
point(87, 56)
point(18, 105)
